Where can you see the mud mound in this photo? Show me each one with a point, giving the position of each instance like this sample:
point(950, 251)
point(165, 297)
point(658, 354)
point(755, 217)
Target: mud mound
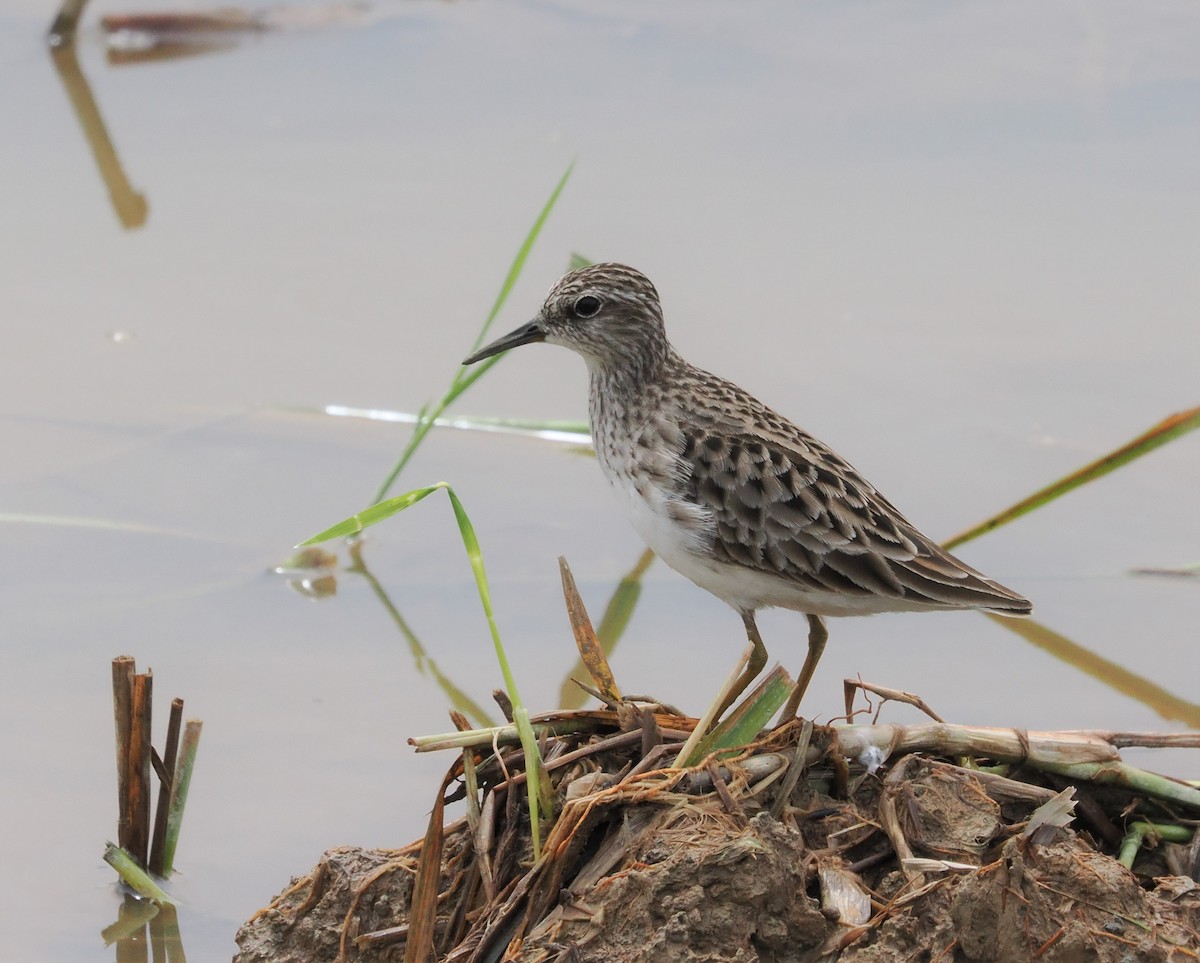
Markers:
point(791, 851)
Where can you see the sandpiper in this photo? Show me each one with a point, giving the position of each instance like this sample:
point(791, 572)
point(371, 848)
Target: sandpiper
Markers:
point(729, 493)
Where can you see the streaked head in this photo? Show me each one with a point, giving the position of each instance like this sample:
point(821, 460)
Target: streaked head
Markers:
point(608, 313)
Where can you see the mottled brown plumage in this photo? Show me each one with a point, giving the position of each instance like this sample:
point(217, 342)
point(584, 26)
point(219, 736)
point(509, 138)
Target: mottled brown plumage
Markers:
point(730, 493)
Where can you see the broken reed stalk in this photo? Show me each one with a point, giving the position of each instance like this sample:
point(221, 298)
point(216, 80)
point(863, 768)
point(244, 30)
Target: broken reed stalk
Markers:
point(132, 705)
point(166, 780)
point(139, 767)
point(123, 670)
point(133, 874)
point(180, 782)
point(1080, 754)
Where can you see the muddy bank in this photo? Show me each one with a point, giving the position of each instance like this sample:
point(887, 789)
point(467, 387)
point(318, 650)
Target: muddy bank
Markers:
point(763, 857)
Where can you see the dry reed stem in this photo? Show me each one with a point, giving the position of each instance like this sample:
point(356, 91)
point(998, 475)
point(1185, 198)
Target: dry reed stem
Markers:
point(170, 752)
point(850, 686)
point(139, 767)
point(423, 911)
point(123, 671)
point(889, 819)
point(1012, 745)
point(590, 649)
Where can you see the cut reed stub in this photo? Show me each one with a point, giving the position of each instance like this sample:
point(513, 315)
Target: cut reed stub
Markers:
point(145, 842)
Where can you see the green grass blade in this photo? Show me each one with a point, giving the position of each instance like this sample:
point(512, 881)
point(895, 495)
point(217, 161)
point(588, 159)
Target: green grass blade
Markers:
point(1167, 430)
point(536, 784)
point(464, 378)
point(372, 516)
point(518, 263)
point(475, 557)
point(744, 724)
point(468, 376)
point(535, 770)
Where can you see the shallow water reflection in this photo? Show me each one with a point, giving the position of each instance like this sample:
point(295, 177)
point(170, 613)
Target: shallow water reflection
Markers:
point(957, 245)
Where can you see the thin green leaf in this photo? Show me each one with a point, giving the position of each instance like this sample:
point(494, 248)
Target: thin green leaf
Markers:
point(519, 261)
point(534, 767)
point(744, 724)
point(376, 513)
point(464, 378)
point(475, 557)
point(1167, 430)
point(535, 784)
point(372, 516)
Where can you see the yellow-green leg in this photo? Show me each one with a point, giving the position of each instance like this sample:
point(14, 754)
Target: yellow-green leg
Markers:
point(758, 658)
point(818, 635)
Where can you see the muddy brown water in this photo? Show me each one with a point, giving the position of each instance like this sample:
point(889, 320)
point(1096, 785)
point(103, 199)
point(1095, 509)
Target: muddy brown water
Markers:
point(958, 245)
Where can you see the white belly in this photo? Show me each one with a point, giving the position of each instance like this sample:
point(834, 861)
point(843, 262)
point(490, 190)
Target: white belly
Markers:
point(686, 547)
point(682, 533)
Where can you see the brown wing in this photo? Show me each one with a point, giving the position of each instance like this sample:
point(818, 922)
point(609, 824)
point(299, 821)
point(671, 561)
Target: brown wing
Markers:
point(792, 507)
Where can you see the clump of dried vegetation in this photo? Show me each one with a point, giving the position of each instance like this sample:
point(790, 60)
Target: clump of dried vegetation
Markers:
point(857, 842)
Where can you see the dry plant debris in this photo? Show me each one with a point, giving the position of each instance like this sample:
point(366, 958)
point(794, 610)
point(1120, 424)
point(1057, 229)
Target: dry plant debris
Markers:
point(877, 845)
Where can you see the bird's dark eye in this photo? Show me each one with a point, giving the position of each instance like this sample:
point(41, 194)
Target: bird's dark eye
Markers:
point(587, 306)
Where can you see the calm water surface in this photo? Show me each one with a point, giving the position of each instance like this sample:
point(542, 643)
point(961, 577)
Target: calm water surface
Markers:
point(958, 242)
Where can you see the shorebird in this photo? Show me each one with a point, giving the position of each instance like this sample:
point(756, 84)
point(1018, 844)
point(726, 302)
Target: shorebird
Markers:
point(732, 495)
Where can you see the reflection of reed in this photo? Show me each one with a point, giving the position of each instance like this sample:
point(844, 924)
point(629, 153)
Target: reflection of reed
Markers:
point(165, 939)
point(612, 626)
point(129, 932)
point(131, 207)
point(62, 31)
point(459, 699)
point(149, 37)
point(130, 924)
point(171, 24)
point(1112, 675)
point(163, 50)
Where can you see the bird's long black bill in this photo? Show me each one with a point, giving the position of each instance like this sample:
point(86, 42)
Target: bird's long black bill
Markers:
point(526, 334)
